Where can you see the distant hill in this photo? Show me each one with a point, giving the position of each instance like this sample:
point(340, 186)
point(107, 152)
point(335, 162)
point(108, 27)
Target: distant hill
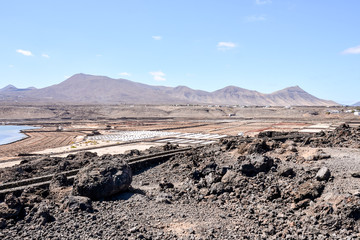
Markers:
point(10, 88)
point(89, 89)
point(356, 104)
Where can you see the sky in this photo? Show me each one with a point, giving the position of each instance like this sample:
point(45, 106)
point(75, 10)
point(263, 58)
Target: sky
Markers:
point(263, 45)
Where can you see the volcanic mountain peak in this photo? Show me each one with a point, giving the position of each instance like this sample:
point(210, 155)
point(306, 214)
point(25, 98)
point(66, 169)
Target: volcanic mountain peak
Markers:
point(81, 78)
point(232, 88)
point(89, 89)
point(293, 89)
point(9, 88)
point(181, 88)
point(296, 88)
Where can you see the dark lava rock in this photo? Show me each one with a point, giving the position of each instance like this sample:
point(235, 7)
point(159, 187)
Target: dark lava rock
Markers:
point(268, 134)
point(63, 165)
point(132, 152)
point(196, 175)
point(217, 188)
point(229, 143)
point(2, 223)
point(6, 212)
point(273, 192)
point(40, 215)
point(292, 149)
point(323, 174)
point(229, 177)
point(12, 201)
point(169, 146)
point(57, 187)
point(11, 207)
point(102, 179)
point(287, 172)
point(165, 184)
point(302, 204)
point(354, 212)
point(77, 203)
point(208, 169)
point(255, 163)
point(343, 136)
point(319, 156)
point(32, 196)
point(343, 126)
point(212, 178)
point(164, 198)
point(258, 146)
point(356, 175)
point(310, 190)
point(59, 180)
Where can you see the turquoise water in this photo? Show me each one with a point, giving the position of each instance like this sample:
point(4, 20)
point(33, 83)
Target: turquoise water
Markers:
point(11, 133)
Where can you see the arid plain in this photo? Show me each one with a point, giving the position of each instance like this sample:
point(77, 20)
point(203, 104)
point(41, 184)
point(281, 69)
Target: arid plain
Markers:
point(76, 121)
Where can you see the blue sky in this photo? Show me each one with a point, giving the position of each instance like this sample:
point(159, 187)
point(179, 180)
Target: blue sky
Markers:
point(263, 45)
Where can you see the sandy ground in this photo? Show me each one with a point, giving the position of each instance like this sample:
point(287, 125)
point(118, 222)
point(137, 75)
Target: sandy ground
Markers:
point(9, 164)
point(112, 150)
point(78, 146)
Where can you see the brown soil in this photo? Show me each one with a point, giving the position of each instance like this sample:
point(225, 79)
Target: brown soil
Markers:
point(37, 141)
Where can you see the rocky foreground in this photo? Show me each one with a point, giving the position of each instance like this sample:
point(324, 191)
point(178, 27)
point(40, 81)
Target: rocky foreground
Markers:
point(276, 186)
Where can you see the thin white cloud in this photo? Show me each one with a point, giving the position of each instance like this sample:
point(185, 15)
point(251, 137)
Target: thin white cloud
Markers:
point(158, 76)
point(98, 55)
point(24, 52)
point(226, 45)
point(157, 37)
point(125, 74)
point(45, 55)
point(256, 18)
point(11, 66)
point(352, 50)
point(262, 2)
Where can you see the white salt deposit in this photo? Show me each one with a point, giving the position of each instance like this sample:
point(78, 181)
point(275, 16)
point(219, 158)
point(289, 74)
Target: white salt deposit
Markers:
point(125, 136)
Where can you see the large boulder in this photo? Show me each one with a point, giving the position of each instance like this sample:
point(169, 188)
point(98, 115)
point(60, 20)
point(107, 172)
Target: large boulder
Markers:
point(323, 174)
point(258, 146)
point(256, 163)
point(229, 177)
point(77, 203)
point(287, 172)
point(11, 207)
point(40, 214)
point(308, 190)
point(102, 179)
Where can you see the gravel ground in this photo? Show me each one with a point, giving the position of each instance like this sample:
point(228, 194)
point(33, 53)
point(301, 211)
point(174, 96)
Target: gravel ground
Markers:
point(342, 164)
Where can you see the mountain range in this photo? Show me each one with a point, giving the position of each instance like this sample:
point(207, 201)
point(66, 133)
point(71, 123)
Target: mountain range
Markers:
point(90, 89)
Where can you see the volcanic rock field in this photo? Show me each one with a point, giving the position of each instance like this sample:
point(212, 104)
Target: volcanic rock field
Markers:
point(272, 186)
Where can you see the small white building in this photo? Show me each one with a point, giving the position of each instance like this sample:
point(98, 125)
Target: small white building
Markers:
point(333, 111)
point(357, 113)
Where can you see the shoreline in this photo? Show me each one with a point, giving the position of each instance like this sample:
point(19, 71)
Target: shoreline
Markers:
point(14, 135)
